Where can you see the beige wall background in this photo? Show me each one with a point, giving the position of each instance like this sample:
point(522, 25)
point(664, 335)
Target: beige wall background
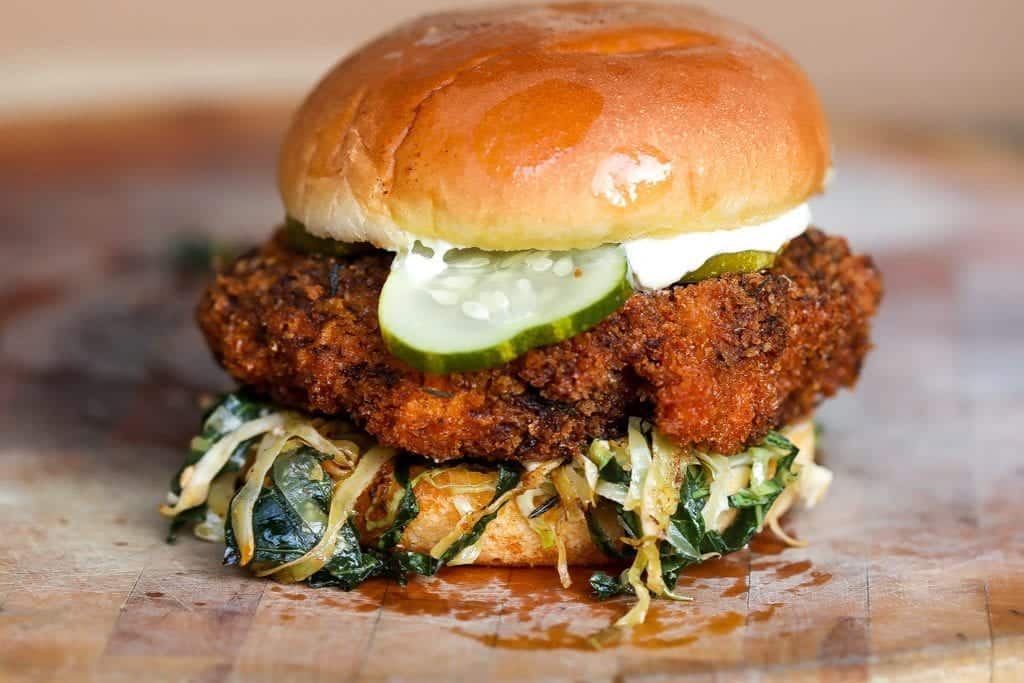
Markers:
point(927, 62)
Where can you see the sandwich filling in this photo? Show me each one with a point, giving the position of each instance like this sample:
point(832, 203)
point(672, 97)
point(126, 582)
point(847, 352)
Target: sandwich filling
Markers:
point(486, 308)
point(290, 496)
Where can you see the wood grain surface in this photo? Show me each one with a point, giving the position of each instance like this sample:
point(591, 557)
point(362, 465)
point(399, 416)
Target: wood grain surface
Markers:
point(915, 568)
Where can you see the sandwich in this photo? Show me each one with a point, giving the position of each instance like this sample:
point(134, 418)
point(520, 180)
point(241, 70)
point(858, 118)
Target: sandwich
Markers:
point(546, 293)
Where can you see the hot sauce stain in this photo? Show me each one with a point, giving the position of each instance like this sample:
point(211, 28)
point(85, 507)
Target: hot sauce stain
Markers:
point(154, 594)
point(725, 623)
point(787, 570)
point(516, 136)
point(293, 596)
point(791, 569)
point(765, 544)
point(737, 589)
point(818, 578)
point(766, 613)
point(664, 628)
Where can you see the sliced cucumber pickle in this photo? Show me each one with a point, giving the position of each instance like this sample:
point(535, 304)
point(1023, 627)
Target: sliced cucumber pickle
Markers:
point(475, 309)
point(739, 262)
point(300, 240)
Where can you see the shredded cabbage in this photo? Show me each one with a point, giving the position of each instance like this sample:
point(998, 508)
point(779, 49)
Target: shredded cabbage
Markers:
point(615, 492)
point(647, 489)
point(462, 504)
point(430, 476)
point(563, 557)
point(565, 481)
point(243, 503)
point(526, 503)
point(467, 555)
point(811, 485)
point(197, 487)
point(639, 462)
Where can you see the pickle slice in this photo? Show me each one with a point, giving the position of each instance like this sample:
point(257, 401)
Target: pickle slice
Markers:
point(299, 239)
point(739, 262)
point(475, 309)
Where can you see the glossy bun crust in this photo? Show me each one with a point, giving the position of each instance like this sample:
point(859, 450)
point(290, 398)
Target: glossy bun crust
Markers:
point(554, 127)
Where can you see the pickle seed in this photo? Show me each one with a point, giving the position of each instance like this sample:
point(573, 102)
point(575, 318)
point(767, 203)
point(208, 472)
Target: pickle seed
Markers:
point(475, 310)
point(514, 260)
point(444, 297)
point(563, 266)
point(494, 300)
point(539, 261)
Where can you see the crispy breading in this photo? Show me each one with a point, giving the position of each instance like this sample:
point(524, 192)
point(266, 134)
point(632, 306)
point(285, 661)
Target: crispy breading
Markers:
point(716, 364)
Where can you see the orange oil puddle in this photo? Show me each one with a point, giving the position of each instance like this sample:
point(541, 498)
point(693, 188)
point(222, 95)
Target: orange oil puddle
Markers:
point(791, 569)
point(737, 589)
point(529, 610)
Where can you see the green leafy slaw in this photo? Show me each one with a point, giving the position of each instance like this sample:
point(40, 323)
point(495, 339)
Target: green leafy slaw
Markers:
point(280, 490)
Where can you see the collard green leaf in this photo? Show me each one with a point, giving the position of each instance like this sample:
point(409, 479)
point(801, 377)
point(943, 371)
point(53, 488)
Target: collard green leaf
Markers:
point(349, 566)
point(399, 564)
point(291, 513)
point(186, 518)
point(407, 510)
point(598, 533)
point(605, 586)
point(301, 480)
point(281, 533)
point(763, 494)
point(549, 504)
point(612, 472)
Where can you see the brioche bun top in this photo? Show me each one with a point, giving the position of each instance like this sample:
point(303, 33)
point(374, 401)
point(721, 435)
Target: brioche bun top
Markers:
point(554, 127)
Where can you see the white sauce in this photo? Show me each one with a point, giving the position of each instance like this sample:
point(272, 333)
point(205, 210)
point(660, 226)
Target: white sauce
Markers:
point(654, 263)
point(658, 263)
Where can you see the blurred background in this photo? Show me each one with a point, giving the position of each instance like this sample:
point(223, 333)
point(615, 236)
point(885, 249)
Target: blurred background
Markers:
point(926, 62)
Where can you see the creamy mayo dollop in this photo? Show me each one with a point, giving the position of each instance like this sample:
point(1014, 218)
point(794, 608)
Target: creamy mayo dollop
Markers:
point(653, 263)
point(659, 263)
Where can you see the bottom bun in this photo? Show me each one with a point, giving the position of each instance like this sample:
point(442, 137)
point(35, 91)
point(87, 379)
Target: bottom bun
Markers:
point(507, 541)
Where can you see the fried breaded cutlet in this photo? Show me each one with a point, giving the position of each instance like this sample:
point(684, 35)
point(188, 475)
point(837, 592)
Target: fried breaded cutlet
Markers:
point(715, 364)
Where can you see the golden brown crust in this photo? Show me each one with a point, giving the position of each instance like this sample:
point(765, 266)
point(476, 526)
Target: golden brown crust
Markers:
point(554, 127)
point(717, 364)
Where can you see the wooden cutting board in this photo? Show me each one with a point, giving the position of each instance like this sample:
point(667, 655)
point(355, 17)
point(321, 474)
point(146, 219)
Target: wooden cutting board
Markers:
point(915, 568)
